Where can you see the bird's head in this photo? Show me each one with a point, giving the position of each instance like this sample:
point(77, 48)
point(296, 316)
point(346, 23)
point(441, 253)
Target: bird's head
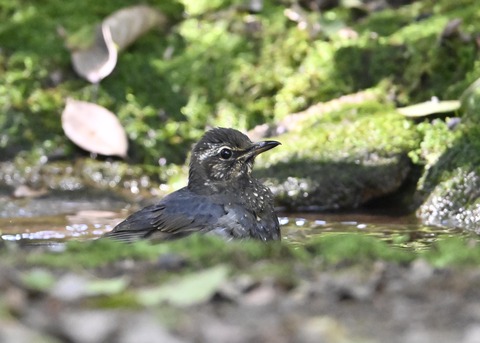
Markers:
point(224, 154)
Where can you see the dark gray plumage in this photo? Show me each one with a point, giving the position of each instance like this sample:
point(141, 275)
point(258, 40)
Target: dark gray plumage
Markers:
point(221, 198)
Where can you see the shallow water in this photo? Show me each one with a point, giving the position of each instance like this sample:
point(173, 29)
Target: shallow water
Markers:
point(403, 231)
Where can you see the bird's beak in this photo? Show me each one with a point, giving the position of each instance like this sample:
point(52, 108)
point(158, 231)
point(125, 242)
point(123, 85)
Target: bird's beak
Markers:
point(258, 148)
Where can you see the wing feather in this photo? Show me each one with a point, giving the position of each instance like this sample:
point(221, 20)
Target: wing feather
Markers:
point(178, 214)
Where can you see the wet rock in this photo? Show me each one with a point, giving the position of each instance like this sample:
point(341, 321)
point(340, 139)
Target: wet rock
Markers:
point(449, 189)
point(324, 177)
point(325, 166)
point(452, 202)
point(336, 185)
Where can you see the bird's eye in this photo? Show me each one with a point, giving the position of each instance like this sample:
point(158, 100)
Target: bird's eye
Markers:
point(226, 153)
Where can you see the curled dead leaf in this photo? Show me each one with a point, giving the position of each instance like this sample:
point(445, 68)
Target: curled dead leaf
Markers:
point(94, 51)
point(94, 128)
point(128, 24)
point(98, 60)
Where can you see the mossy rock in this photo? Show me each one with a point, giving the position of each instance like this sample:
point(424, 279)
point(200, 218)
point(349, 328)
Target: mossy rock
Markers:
point(455, 201)
point(449, 191)
point(343, 164)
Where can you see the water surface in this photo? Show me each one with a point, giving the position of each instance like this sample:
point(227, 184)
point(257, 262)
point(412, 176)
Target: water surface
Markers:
point(401, 231)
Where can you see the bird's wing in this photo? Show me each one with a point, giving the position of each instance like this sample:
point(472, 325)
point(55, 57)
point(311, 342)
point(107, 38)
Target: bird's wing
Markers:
point(179, 214)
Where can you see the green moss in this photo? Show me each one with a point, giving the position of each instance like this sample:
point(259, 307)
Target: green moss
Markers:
point(421, 62)
point(454, 252)
point(37, 75)
point(367, 63)
point(389, 21)
point(449, 151)
point(81, 255)
point(279, 259)
point(436, 139)
point(361, 133)
point(224, 66)
point(355, 248)
point(448, 188)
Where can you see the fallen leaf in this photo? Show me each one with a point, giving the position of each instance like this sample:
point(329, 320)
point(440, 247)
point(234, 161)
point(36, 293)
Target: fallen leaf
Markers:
point(128, 24)
point(191, 289)
point(96, 61)
point(95, 48)
point(430, 107)
point(94, 128)
point(23, 191)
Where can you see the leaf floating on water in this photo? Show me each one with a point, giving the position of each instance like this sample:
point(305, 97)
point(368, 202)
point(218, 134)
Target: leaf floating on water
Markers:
point(191, 289)
point(94, 51)
point(94, 128)
point(430, 107)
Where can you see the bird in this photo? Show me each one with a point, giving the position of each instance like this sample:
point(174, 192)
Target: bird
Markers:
point(221, 198)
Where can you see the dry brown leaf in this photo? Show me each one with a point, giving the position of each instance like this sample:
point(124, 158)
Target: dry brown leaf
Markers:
point(94, 58)
point(94, 128)
point(24, 191)
point(128, 24)
point(98, 60)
